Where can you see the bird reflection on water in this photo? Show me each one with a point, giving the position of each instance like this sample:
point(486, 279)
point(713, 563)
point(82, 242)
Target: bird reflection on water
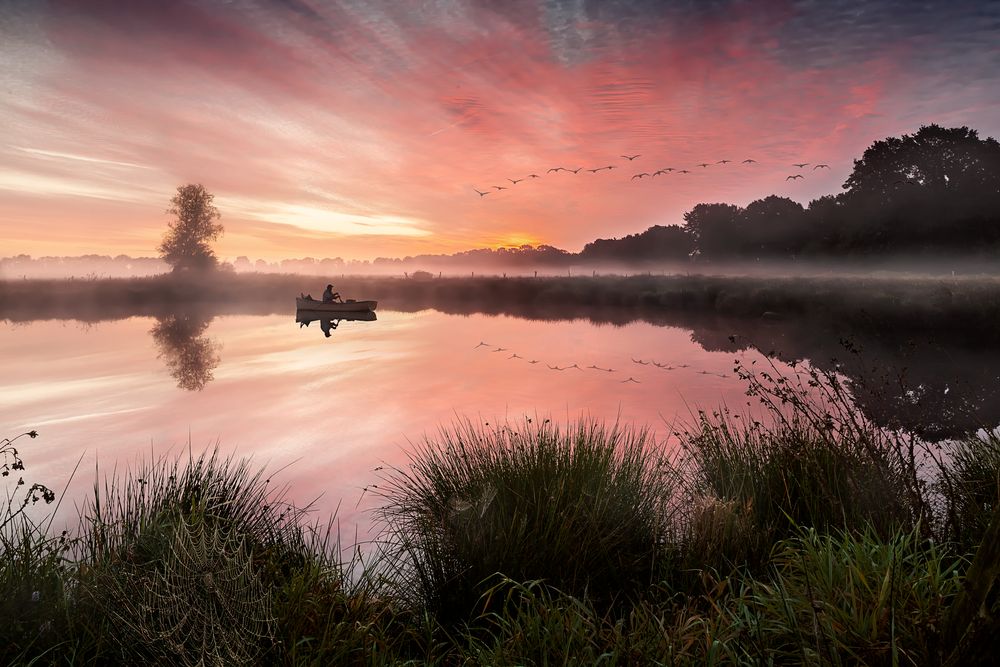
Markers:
point(327, 323)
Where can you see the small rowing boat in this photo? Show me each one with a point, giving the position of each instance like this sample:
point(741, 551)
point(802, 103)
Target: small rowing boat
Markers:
point(349, 306)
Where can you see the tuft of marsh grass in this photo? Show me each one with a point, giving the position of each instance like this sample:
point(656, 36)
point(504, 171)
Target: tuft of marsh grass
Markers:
point(327, 618)
point(535, 624)
point(125, 520)
point(583, 509)
point(813, 462)
point(34, 583)
point(854, 598)
point(970, 486)
point(33, 563)
point(180, 561)
point(754, 484)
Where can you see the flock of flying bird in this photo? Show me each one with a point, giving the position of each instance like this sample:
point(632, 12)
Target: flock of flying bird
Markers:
point(595, 367)
point(640, 175)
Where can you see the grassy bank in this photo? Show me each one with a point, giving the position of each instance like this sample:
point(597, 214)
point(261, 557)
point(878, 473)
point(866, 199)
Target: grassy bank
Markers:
point(811, 537)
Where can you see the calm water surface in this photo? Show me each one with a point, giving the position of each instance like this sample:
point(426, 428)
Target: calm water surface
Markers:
point(330, 408)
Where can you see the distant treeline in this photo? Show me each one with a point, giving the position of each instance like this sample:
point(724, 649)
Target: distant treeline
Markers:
point(121, 266)
point(94, 266)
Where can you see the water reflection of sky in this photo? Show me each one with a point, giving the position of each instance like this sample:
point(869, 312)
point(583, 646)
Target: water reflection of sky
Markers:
point(334, 408)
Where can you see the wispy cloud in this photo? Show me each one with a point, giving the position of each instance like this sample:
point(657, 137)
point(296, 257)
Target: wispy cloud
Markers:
point(326, 220)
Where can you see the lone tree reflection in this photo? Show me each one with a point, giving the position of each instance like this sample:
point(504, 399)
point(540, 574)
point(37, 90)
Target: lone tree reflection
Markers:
point(191, 356)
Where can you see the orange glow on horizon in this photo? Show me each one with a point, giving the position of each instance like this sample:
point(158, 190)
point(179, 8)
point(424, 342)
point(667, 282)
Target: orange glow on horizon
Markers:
point(516, 240)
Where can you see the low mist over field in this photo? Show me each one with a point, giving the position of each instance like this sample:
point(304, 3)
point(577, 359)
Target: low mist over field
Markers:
point(19, 268)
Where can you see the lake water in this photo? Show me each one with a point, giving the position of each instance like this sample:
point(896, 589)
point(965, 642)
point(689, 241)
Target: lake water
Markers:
point(333, 409)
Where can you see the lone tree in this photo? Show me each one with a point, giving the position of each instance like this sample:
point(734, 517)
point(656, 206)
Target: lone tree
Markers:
point(185, 245)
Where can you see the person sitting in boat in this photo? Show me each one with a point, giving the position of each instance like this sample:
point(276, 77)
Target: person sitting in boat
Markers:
point(329, 295)
point(326, 325)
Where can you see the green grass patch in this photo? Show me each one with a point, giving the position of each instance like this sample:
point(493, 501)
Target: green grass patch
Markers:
point(854, 598)
point(970, 486)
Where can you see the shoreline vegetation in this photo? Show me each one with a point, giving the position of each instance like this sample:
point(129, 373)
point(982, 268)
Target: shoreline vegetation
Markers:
point(939, 303)
point(810, 536)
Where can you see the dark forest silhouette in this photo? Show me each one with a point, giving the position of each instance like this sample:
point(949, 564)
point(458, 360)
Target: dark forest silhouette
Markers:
point(933, 192)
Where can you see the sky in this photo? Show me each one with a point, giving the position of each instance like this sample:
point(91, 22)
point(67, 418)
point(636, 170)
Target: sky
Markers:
point(360, 129)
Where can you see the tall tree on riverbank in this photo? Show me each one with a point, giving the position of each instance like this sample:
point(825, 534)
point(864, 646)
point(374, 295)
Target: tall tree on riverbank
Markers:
point(937, 188)
point(185, 245)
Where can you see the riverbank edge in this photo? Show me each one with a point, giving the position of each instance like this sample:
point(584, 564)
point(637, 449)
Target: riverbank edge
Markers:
point(926, 304)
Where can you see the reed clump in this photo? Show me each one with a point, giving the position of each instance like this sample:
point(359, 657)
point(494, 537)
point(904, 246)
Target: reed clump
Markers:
point(850, 597)
point(760, 483)
point(813, 461)
point(186, 559)
point(583, 509)
point(969, 487)
point(832, 599)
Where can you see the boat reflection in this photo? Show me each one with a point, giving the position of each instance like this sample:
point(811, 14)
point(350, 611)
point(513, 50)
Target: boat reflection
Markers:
point(328, 323)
